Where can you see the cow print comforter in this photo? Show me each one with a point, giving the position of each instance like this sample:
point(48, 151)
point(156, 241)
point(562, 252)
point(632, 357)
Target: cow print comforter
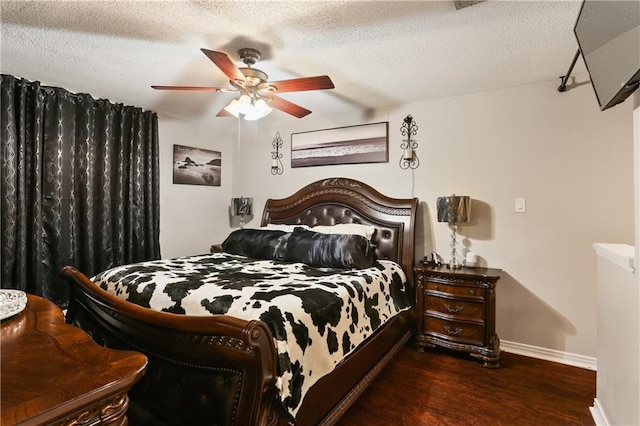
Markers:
point(317, 315)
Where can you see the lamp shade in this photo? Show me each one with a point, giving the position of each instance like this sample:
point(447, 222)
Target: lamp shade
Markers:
point(454, 209)
point(242, 206)
point(233, 108)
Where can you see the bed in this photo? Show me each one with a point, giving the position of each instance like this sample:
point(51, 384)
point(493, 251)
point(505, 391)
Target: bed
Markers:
point(220, 369)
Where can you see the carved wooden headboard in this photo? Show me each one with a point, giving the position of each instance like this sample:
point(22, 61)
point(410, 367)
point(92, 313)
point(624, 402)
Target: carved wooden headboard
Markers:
point(341, 200)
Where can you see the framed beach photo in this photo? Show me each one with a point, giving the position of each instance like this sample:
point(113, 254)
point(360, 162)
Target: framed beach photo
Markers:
point(196, 166)
point(366, 143)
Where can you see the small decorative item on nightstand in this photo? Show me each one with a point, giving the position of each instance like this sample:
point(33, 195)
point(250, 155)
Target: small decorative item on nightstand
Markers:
point(456, 309)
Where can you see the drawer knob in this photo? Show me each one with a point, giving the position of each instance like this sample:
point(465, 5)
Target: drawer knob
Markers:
point(453, 310)
point(435, 287)
point(455, 332)
point(472, 292)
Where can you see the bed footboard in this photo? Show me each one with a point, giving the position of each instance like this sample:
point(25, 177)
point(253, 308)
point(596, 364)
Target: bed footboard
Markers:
point(215, 370)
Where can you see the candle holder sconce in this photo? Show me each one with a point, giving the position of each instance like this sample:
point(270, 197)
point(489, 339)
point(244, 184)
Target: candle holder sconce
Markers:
point(276, 156)
point(409, 159)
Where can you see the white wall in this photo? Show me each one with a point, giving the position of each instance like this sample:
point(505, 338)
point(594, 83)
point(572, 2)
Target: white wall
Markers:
point(572, 163)
point(192, 217)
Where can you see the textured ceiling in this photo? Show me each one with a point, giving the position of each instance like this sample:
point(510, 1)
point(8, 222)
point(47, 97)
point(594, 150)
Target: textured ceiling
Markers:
point(378, 53)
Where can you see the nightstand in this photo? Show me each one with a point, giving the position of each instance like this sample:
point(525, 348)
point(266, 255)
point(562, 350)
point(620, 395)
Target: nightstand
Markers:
point(456, 309)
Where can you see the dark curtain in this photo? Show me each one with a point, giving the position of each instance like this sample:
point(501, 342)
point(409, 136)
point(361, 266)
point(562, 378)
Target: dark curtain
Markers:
point(80, 186)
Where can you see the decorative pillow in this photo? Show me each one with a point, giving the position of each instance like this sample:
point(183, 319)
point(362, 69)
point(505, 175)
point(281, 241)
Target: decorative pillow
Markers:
point(329, 250)
point(257, 243)
point(366, 231)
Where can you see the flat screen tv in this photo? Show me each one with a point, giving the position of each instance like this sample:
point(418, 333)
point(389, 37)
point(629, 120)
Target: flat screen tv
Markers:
point(608, 33)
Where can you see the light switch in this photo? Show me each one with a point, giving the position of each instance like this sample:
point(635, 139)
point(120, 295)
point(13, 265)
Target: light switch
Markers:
point(521, 205)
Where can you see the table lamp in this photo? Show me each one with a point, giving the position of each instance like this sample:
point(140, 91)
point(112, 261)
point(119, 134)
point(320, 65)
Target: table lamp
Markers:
point(454, 209)
point(242, 206)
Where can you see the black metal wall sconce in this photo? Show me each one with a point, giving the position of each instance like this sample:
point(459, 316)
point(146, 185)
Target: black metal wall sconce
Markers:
point(276, 156)
point(409, 159)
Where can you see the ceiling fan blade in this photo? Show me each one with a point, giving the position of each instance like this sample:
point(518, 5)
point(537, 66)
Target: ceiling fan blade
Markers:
point(225, 64)
point(288, 107)
point(320, 82)
point(190, 88)
point(224, 113)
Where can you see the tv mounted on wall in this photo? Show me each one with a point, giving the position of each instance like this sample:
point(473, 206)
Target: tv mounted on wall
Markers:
point(608, 33)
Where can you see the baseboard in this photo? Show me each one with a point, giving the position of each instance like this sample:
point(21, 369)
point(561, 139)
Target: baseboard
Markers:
point(598, 415)
point(567, 358)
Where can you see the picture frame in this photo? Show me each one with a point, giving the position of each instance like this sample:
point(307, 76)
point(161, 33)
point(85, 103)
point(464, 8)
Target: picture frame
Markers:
point(196, 166)
point(364, 143)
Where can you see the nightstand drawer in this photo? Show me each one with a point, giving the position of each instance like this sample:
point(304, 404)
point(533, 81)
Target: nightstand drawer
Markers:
point(462, 332)
point(456, 290)
point(456, 308)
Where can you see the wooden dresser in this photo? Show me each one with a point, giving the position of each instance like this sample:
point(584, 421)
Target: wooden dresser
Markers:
point(456, 310)
point(54, 374)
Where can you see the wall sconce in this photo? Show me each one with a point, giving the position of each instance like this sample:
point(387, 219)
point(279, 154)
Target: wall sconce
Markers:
point(453, 210)
point(409, 159)
point(276, 156)
point(241, 207)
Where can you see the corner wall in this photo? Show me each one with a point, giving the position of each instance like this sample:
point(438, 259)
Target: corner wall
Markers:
point(636, 162)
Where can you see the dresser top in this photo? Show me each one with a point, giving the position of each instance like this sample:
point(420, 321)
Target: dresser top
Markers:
point(50, 368)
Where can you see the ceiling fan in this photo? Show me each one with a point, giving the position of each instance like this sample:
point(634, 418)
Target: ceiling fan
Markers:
point(257, 94)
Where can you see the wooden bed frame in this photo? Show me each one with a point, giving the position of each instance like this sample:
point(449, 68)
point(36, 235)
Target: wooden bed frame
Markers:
point(220, 370)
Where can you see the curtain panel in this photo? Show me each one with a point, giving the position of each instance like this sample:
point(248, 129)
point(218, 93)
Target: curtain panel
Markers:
point(80, 186)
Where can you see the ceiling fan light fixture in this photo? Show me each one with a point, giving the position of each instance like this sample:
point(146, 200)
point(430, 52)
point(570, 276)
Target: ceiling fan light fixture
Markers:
point(259, 109)
point(243, 106)
point(233, 108)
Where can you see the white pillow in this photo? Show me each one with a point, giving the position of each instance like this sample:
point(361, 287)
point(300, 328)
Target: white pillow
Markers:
point(282, 227)
point(346, 228)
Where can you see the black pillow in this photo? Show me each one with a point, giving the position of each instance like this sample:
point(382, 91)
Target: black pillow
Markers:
point(256, 243)
point(329, 250)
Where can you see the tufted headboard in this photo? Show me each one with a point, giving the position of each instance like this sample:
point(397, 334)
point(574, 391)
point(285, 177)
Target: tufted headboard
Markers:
point(342, 200)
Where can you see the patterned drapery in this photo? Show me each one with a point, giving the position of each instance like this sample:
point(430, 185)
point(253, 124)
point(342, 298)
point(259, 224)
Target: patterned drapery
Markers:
point(80, 186)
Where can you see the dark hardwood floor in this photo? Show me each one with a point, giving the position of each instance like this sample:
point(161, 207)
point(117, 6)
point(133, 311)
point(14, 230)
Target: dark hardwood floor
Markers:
point(439, 387)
